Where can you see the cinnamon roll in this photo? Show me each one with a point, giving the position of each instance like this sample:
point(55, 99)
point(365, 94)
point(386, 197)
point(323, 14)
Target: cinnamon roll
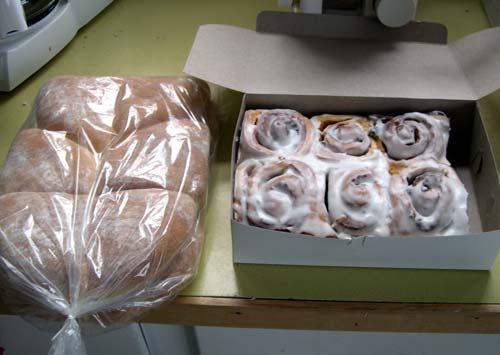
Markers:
point(427, 198)
point(358, 203)
point(284, 195)
point(343, 135)
point(275, 132)
point(414, 135)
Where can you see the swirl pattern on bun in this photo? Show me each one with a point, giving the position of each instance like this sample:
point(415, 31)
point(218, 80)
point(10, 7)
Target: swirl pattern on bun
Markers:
point(275, 133)
point(347, 176)
point(283, 195)
point(358, 202)
point(342, 136)
point(427, 198)
point(413, 135)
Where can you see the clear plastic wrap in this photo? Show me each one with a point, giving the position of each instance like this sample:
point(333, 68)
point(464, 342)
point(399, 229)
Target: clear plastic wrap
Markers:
point(102, 199)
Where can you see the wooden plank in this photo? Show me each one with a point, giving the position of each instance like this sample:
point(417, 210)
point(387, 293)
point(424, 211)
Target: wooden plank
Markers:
point(345, 316)
point(327, 315)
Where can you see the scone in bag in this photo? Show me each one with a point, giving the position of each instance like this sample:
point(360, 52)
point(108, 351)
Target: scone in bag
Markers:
point(102, 198)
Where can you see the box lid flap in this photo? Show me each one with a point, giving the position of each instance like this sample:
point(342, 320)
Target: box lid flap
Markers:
point(479, 56)
point(270, 63)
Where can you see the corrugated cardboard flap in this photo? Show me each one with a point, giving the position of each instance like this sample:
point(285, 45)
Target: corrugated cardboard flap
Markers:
point(268, 63)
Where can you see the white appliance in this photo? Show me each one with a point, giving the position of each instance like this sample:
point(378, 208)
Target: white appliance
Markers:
point(32, 32)
point(392, 13)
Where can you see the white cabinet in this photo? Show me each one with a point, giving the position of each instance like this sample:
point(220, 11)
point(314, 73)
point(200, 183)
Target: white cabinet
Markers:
point(234, 341)
point(19, 337)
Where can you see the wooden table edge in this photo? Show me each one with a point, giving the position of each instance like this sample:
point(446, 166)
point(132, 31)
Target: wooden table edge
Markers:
point(329, 315)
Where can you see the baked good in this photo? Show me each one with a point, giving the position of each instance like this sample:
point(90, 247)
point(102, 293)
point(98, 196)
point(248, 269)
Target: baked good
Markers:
point(427, 198)
point(95, 109)
point(379, 176)
point(358, 199)
point(342, 136)
point(186, 262)
point(146, 101)
point(414, 135)
point(46, 161)
point(275, 133)
point(180, 271)
point(128, 240)
point(100, 228)
point(33, 231)
point(131, 237)
point(80, 105)
point(283, 195)
point(172, 155)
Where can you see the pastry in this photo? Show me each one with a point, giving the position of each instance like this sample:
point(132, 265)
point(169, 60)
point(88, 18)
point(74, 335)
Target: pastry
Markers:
point(82, 106)
point(358, 201)
point(284, 195)
point(343, 135)
point(414, 135)
point(172, 155)
point(427, 198)
point(275, 133)
point(150, 100)
point(379, 176)
point(46, 161)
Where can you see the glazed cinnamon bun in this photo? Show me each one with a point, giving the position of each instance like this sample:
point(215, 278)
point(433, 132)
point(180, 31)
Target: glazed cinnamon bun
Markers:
point(283, 195)
point(358, 202)
point(427, 198)
point(414, 135)
point(275, 133)
point(343, 135)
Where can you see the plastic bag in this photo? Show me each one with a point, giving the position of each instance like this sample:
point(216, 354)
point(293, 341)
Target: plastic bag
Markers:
point(102, 198)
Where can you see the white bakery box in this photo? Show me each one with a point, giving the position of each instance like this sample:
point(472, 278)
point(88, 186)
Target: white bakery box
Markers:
point(333, 64)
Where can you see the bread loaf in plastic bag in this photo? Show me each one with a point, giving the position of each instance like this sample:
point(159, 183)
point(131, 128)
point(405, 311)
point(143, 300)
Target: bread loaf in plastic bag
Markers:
point(102, 198)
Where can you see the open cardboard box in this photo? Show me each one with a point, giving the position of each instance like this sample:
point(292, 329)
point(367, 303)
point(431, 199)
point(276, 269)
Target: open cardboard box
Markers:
point(329, 64)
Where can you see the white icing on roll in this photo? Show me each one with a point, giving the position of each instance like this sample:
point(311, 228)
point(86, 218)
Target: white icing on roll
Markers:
point(275, 132)
point(414, 135)
point(342, 135)
point(358, 202)
point(428, 198)
point(241, 184)
point(347, 138)
point(282, 195)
